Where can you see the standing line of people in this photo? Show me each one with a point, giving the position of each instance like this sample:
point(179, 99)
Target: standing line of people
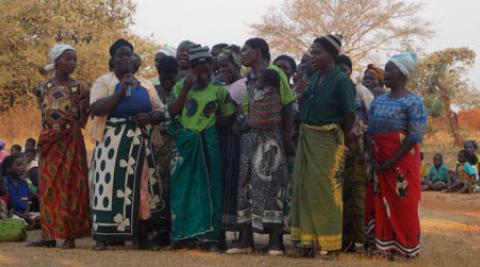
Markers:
point(228, 141)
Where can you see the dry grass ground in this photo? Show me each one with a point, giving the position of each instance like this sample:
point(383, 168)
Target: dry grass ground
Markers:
point(450, 237)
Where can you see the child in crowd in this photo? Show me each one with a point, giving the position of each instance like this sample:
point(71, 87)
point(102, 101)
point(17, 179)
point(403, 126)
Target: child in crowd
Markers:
point(13, 170)
point(437, 176)
point(464, 174)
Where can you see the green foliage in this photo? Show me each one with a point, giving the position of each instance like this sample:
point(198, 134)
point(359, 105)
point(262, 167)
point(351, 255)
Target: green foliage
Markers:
point(447, 67)
point(31, 27)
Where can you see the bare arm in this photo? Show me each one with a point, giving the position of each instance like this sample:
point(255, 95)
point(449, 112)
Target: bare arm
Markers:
point(176, 108)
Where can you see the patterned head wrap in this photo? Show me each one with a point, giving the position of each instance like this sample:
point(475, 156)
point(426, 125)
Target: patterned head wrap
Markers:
point(56, 51)
point(406, 62)
point(471, 143)
point(375, 71)
point(332, 43)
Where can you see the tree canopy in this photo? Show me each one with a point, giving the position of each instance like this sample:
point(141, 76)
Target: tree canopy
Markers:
point(367, 26)
point(31, 27)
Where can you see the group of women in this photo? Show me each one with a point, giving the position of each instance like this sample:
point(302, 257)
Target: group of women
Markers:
point(225, 143)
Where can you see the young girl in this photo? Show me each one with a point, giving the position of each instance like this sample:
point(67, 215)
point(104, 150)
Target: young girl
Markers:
point(464, 174)
point(13, 170)
point(262, 166)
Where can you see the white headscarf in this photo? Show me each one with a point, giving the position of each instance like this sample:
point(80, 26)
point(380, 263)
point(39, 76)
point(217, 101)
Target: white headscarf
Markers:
point(57, 51)
point(406, 62)
point(168, 51)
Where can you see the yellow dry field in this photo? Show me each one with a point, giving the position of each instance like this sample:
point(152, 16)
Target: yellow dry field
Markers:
point(450, 237)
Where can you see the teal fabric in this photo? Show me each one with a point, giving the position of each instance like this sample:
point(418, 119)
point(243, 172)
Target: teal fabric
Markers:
point(196, 185)
point(435, 175)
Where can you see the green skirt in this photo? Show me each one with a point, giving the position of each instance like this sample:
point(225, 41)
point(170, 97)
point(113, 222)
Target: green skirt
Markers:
point(196, 186)
point(316, 216)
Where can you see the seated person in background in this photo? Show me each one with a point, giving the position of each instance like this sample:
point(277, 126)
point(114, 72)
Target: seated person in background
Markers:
point(423, 167)
point(13, 170)
point(472, 147)
point(464, 174)
point(437, 176)
point(30, 143)
point(16, 149)
point(32, 177)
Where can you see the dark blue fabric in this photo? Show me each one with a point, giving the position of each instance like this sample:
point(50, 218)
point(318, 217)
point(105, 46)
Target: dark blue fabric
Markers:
point(137, 102)
point(19, 195)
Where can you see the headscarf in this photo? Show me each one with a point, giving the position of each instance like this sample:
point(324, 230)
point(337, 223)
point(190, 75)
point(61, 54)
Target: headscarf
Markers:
point(200, 55)
point(119, 43)
point(232, 55)
point(332, 43)
point(187, 44)
point(56, 51)
point(406, 62)
point(471, 143)
point(168, 51)
point(375, 71)
point(2, 144)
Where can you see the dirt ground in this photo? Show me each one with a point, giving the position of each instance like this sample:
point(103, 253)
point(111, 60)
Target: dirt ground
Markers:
point(450, 229)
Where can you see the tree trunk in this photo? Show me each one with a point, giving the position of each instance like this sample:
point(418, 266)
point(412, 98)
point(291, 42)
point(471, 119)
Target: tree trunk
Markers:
point(450, 116)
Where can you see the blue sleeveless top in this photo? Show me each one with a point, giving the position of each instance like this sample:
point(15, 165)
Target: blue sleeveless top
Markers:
point(137, 102)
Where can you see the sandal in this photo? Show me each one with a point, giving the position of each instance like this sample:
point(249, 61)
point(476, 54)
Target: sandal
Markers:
point(301, 253)
point(329, 255)
point(43, 243)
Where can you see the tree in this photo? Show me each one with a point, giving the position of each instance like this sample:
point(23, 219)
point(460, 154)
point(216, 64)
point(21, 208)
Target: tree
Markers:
point(31, 27)
point(367, 26)
point(440, 79)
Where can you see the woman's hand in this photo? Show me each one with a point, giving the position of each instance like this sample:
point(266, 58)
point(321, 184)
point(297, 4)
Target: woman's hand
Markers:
point(301, 86)
point(142, 118)
point(188, 82)
point(387, 164)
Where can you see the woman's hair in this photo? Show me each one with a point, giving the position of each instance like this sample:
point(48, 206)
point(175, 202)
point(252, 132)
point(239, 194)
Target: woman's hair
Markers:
point(7, 164)
point(168, 65)
point(270, 78)
point(289, 59)
point(261, 45)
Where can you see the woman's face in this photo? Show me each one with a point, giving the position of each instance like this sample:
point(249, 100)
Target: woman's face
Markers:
point(18, 167)
point(248, 56)
point(168, 80)
point(123, 60)
point(393, 77)
point(203, 72)
point(321, 59)
point(371, 81)
point(66, 62)
point(182, 56)
point(461, 157)
point(286, 67)
point(227, 69)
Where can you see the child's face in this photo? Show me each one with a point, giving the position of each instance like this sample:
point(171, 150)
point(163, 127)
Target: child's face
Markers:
point(437, 161)
point(259, 82)
point(18, 168)
point(461, 157)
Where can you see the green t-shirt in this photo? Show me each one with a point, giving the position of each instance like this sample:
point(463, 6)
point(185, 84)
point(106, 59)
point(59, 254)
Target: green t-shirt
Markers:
point(286, 94)
point(202, 107)
point(328, 102)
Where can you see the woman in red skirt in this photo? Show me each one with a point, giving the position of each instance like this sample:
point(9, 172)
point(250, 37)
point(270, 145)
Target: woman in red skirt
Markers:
point(396, 125)
point(64, 198)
